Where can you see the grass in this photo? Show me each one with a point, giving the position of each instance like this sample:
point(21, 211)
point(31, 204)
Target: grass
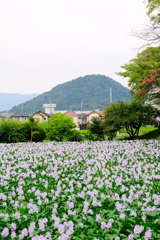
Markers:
point(146, 132)
point(155, 134)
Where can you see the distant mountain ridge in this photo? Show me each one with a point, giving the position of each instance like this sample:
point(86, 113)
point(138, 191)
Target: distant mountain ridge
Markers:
point(9, 100)
point(91, 90)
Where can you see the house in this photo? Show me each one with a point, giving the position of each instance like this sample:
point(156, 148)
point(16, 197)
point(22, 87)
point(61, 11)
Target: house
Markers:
point(82, 118)
point(21, 116)
point(41, 116)
point(94, 114)
point(73, 115)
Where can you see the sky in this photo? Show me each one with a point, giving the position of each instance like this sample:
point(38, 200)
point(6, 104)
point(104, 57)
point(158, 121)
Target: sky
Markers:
point(44, 43)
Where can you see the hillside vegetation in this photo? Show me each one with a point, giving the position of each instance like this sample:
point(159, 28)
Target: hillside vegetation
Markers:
point(93, 90)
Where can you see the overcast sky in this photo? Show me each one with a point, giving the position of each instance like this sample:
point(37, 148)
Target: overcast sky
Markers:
point(47, 42)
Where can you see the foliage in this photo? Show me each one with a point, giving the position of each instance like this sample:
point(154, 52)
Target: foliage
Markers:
point(150, 87)
point(83, 131)
point(94, 90)
point(38, 133)
point(152, 5)
point(96, 127)
point(80, 191)
point(153, 134)
point(111, 132)
point(145, 65)
point(143, 130)
point(131, 116)
point(75, 136)
point(31, 125)
point(151, 33)
point(12, 131)
point(59, 126)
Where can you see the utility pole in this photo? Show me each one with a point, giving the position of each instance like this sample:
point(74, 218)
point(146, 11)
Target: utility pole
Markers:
point(81, 111)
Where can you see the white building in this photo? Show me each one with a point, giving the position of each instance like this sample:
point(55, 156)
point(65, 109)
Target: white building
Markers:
point(49, 108)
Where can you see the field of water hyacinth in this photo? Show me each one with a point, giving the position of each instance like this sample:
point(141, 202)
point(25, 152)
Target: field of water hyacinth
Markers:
point(87, 190)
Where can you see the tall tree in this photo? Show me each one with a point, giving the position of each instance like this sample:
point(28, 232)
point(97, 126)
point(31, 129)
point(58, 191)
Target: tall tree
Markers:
point(151, 33)
point(32, 123)
point(96, 127)
point(150, 87)
point(145, 66)
point(129, 115)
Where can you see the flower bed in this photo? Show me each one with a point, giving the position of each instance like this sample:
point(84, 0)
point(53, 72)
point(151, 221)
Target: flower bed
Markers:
point(88, 190)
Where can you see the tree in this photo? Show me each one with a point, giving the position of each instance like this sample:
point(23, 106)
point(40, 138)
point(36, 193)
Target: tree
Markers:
point(59, 126)
point(96, 127)
point(150, 87)
point(151, 33)
point(32, 125)
point(141, 68)
point(130, 115)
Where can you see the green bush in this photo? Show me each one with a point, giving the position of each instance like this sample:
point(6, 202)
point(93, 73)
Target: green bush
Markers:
point(13, 131)
point(59, 127)
point(96, 128)
point(75, 136)
point(38, 134)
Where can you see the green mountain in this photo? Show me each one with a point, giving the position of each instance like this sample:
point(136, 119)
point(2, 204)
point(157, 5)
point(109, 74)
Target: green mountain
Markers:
point(93, 90)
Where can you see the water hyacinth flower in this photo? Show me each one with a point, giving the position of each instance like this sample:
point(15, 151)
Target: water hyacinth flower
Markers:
point(5, 232)
point(49, 235)
point(70, 204)
point(98, 217)
point(31, 229)
point(13, 235)
point(122, 215)
point(148, 234)
point(39, 237)
point(24, 233)
point(108, 225)
point(131, 237)
point(80, 224)
point(83, 180)
point(138, 229)
point(13, 226)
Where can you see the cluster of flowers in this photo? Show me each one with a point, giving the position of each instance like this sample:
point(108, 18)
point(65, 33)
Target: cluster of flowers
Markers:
point(87, 190)
point(149, 84)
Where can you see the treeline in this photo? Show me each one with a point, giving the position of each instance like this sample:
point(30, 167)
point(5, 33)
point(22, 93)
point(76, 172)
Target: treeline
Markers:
point(60, 128)
point(13, 131)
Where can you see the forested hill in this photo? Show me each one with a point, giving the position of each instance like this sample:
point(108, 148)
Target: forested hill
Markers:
point(93, 90)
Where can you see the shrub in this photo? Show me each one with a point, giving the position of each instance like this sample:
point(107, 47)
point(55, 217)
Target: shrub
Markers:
point(75, 136)
point(59, 127)
point(13, 131)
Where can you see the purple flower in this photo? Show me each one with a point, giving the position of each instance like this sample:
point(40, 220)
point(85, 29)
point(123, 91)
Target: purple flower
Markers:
point(130, 237)
point(138, 229)
point(13, 226)
point(148, 234)
point(122, 215)
point(5, 232)
point(98, 217)
point(13, 234)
